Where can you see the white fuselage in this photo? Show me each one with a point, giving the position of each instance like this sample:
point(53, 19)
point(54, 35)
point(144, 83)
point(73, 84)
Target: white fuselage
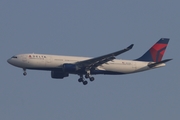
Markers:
point(55, 62)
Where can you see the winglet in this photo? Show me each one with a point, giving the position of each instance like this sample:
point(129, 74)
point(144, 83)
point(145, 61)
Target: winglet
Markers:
point(130, 47)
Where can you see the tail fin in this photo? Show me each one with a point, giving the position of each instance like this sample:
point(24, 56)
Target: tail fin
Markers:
point(156, 52)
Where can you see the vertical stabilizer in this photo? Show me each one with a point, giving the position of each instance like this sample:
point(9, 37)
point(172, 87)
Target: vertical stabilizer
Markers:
point(156, 52)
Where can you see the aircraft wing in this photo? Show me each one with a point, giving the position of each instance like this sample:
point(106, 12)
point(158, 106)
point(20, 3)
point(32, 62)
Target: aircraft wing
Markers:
point(95, 62)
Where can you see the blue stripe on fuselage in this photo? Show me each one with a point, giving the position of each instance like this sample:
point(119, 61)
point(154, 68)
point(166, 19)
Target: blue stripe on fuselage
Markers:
point(92, 72)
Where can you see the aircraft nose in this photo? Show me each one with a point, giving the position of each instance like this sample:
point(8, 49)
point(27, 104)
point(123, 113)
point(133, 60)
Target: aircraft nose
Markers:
point(9, 61)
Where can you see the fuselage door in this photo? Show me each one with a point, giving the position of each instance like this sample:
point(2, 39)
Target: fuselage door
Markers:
point(134, 65)
point(24, 58)
point(48, 59)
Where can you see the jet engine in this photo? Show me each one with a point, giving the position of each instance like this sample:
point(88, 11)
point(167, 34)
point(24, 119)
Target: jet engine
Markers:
point(69, 68)
point(59, 74)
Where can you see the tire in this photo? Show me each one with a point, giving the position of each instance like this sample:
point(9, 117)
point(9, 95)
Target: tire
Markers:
point(85, 83)
point(91, 78)
point(80, 80)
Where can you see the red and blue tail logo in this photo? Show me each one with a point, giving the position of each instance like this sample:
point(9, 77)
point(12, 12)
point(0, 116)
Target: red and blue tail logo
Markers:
point(156, 52)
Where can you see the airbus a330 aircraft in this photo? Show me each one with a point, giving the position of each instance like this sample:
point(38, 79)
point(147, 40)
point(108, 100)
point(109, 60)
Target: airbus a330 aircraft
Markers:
point(62, 66)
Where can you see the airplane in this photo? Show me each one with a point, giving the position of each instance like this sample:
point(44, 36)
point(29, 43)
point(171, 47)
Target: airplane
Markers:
point(85, 67)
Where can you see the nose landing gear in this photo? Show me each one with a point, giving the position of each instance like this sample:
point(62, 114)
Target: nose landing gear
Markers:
point(24, 73)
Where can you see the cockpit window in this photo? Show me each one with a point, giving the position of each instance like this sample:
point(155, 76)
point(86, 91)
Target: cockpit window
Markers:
point(14, 56)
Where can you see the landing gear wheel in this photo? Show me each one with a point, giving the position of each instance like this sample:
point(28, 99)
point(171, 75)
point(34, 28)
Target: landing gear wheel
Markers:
point(86, 76)
point(91, 78)
point(24, 73)
point(85, 82)
point(80, 80)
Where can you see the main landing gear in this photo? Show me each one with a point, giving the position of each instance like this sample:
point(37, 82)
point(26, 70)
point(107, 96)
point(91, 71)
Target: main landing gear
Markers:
point(24, 73)
point(81, 79)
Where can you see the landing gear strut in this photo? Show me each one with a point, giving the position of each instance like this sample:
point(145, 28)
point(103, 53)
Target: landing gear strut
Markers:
point(88, 76)
point(25, 73)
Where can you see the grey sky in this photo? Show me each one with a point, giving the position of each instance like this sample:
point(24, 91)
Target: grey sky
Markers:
point(89, 28)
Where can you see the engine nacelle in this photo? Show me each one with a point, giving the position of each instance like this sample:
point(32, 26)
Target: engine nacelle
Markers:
point(59, 74)
point(70, 68)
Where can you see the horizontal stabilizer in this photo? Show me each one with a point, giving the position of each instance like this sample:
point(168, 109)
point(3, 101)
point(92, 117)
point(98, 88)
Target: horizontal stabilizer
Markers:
point(157, 63)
